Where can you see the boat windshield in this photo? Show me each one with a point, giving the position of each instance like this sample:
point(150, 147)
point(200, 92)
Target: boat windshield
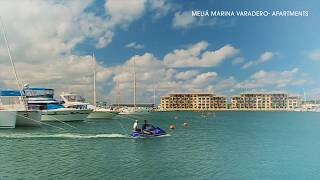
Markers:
point(54, 106)
point(37, 92)
point(74, 98)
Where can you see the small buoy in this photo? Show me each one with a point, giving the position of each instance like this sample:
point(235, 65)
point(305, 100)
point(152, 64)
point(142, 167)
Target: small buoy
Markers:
point(172, 126)
point(185, 124)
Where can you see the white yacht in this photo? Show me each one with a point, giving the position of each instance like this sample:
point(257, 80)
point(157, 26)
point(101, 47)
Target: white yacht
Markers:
point(51, 109)
point(102, 113)
point(134, 111)
point(8, 118)
point(73, 100)
point(12, 99)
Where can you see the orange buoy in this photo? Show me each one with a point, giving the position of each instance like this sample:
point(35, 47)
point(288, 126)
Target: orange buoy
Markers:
point(172, 126)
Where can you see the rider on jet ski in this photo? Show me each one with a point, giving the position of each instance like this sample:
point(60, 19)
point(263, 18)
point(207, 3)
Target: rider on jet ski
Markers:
point(135, 126)
point(147, 128)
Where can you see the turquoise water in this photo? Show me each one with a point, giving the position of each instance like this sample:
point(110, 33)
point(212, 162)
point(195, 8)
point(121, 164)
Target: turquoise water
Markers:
point(226, 145)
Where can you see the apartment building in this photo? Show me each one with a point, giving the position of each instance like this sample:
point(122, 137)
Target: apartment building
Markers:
point(264, 101)
point(193, 101)
point(294, 102)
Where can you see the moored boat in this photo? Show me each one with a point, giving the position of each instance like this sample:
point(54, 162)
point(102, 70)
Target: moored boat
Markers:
point(76, 101)
point(8, 118)
point(65, 114)
point(12, 99)
point(134, 111)
point(102, 113)
point(28, 118)
point(51, 110)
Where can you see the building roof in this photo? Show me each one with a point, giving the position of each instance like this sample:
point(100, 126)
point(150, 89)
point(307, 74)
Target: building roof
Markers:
point(272, 92)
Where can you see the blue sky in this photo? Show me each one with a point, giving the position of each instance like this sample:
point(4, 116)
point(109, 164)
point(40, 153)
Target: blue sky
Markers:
point(174, 51)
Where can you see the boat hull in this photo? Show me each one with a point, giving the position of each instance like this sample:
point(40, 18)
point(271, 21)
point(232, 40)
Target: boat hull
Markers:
point(28, 118)
point(65, 115)
point(134, 112)
point(8, 119)
point(102, 115)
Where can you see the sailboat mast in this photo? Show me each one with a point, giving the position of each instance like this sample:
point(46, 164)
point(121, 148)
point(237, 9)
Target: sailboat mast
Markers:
point(118, 93)
point(3, 30)
point(304, 95)
point(94, 81)
point(154, 96)
point(134, 83)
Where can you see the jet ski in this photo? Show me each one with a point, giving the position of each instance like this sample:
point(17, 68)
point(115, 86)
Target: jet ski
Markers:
point(150, 132)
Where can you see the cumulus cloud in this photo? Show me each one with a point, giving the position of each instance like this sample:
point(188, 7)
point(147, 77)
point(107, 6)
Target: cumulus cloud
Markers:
point(134, 45)
point(276, 79)
point(43, 37)
point(186, 74)
point(72, 73)
point(161, 8)
point(238, 60)
point(194, 56)
point(104, 40)
point(314, 55)
point(152, 72)
point(184, 20)
point(125, 11)
point(263, 58)
point(204, 77)
point(225, 86)
point(266, 56)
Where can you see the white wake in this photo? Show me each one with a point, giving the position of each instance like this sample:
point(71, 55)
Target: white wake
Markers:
point(62, 136)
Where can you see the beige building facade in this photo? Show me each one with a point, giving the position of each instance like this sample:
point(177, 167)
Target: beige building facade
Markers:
point(264, 101)
point(193, 101)
point(294, 102)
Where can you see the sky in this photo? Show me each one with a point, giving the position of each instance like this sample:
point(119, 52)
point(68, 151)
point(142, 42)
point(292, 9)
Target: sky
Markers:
point(52, 43)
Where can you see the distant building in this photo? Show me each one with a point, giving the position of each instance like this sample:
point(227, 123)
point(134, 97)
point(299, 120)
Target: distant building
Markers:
point(294, 102)
point(264, 101)
point(193, 101)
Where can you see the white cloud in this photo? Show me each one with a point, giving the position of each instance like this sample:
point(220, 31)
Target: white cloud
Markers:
point(248, 64)
point(276, 79)
point(152, 72)
point(238, 60)
point(194, 56)
point(184, 20)
point(314, 55)
point(266, 56)
point(72, 73)
point(186, 74)
point(134, 45)
point(225, 86)
point(204, 77)
point(43, 35)
point(125, 11)
point(104, 40)
point(160, 8)
point(263, 58)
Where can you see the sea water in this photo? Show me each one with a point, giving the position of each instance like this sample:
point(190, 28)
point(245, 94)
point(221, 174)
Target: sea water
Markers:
point(220, 145)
